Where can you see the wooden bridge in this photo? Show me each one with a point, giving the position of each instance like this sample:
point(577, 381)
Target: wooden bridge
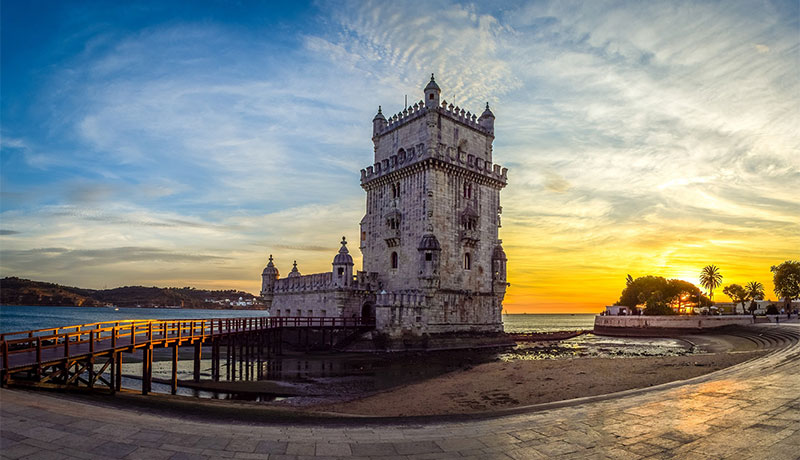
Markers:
point(90, 355)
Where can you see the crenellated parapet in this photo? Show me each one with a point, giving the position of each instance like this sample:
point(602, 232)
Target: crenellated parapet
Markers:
point(445, 157)
point(408, 115)
point(459, 115)
point(302, 283)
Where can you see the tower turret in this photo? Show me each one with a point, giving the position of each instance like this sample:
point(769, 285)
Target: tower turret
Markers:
point(499, 267)
point(378, 123)
point(268, 278)
point(343, 266)
point(429, 253)
point(432, 94)
point(486, 120)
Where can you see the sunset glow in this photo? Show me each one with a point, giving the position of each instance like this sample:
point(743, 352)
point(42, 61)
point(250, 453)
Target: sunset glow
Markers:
point(179, 146)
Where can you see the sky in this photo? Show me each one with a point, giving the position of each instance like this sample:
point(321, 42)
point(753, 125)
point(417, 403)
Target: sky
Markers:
point(180, 143)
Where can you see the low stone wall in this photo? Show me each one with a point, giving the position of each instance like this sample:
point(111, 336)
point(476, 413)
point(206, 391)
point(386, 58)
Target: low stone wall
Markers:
point(665, 325)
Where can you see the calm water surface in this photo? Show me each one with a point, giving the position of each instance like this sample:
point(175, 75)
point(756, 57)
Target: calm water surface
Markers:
point(22, 318)
point(15, 318)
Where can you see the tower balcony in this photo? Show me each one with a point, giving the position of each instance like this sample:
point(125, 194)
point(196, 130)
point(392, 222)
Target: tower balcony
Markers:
point(392, 237)
point(469, 237)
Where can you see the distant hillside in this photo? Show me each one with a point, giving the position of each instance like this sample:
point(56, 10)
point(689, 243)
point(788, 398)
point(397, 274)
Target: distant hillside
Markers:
point(18, 291)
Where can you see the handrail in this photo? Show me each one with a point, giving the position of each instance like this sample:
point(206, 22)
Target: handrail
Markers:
point(145, 331)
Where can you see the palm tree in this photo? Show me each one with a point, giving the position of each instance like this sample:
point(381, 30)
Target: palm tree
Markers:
point(754, 291)
point(710, 278)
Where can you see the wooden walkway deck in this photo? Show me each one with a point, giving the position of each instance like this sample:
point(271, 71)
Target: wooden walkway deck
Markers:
point(90, 354)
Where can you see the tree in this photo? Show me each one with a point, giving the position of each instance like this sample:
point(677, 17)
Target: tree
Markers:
point(710, 278)
point(628, 280)
point(661, 295)
point(786, 278)
point(737, 293)
point(754, 291)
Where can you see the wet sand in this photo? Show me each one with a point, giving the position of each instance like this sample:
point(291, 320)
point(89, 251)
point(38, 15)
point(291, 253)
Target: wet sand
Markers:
point(498, 385)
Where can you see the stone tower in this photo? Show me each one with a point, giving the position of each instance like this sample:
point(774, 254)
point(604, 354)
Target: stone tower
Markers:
point(430, 231)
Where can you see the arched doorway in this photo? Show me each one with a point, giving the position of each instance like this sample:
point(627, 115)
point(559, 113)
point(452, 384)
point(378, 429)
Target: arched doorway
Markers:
point(368, 313)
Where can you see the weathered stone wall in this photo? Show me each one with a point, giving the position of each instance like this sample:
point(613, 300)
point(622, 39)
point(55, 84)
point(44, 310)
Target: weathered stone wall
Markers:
point(339, 303)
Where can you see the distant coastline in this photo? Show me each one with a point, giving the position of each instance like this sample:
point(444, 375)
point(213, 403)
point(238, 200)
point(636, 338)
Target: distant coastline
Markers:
point(25, 292)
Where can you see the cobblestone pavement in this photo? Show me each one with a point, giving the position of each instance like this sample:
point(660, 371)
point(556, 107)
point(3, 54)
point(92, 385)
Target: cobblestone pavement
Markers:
point(747, 411)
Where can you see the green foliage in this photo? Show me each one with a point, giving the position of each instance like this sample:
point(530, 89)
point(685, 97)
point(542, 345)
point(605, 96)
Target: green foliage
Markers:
point(737, 293)
point(754, 290)
point(772, 309)
point(786, 278)
point(710, 278)
point(657, 293)
point(656, 306)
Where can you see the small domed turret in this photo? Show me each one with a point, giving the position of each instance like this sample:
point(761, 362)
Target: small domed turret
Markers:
point(378, 123)
point(487, 119)
point(270, 269)
point(268, 277)
point(343, 266)
point(498, 253)
point(343, 257)
point(499, 261)
point(429, 243)
point(432, 94)
point(294, 272)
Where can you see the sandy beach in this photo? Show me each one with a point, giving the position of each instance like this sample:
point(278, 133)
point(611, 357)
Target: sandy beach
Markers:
point(497, 385)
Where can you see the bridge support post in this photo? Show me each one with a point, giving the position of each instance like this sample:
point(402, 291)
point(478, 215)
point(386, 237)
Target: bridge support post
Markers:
point(147, 369)
point(214, 360)
point(91, 371)
point(259, 351)
point(198, 354)
point(175, 369)
point(233, 359)
point(118, 372)
point(228, 358)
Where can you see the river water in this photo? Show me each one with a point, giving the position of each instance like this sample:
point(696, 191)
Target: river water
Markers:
point(329, 375)
point(22, 318)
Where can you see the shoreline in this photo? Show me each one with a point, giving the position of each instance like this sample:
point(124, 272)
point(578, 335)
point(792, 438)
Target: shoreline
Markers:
point(507, 381)
point(506, 385)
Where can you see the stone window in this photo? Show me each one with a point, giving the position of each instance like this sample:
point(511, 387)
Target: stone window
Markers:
point(428, 256)
point(310, 313)
point(323, 313)
point(467, 190)
point(467, 261)
point(394, 260)
point(341, 271)
point(299, 312)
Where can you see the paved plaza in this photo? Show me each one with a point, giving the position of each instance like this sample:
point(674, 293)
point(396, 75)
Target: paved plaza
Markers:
point(751, 410)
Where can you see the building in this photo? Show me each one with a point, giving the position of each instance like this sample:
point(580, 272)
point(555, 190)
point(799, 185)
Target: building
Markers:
point(432, 260)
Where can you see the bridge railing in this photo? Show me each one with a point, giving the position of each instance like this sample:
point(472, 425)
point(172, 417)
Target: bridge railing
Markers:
point(130, 333)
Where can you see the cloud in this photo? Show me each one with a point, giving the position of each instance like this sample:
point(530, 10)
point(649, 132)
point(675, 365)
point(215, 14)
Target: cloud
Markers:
point(6, 232)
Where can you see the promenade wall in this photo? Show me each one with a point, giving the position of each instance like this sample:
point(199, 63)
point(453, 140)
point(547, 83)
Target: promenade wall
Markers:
point(665, 325)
